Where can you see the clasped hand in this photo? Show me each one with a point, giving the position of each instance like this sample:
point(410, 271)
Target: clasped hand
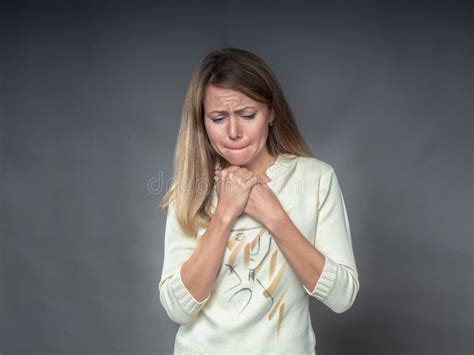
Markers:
point(240, 190)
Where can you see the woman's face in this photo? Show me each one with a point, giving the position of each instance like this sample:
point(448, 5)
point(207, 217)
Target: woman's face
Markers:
point(237, 126)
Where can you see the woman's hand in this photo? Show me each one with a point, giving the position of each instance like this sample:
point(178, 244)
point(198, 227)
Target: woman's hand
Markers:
point(233, 186)
point(262, 204)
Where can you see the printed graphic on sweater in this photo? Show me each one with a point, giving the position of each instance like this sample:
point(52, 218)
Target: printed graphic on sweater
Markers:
point(252, 249)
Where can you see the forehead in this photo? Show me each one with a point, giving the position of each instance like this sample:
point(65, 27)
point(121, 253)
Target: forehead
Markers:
point(216, 97)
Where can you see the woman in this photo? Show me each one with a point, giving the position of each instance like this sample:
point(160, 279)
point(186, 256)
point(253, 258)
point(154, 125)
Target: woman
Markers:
point(255, 223)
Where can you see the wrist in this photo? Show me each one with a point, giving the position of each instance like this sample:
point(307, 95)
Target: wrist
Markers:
point(277, 221)
point(224, 217)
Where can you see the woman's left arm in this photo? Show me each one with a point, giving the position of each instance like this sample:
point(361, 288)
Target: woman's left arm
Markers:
point(327, 269)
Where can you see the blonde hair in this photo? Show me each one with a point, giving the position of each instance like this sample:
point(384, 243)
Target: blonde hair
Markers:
point(194, 157)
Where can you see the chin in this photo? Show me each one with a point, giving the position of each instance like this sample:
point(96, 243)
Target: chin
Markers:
point(237, 158)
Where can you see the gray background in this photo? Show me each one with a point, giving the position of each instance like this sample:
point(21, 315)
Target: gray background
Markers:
point(91, 96)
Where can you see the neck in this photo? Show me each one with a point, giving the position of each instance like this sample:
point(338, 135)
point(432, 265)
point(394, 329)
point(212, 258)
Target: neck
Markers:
point(260, 167)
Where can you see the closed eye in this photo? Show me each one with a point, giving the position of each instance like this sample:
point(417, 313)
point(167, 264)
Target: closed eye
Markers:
point(247, 117)
point(217, 120)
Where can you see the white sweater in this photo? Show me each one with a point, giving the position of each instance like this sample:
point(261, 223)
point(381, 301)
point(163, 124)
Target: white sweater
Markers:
point(258, 304)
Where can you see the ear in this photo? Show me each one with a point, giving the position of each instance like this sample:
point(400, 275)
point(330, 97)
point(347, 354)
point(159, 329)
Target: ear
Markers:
point(271, 115)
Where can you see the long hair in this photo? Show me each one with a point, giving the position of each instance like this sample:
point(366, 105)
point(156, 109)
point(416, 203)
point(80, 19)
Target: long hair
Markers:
point(195, 158)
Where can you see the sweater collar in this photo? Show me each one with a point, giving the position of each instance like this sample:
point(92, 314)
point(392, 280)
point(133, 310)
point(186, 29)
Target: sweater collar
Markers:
point(275, 168)
point(279, 166)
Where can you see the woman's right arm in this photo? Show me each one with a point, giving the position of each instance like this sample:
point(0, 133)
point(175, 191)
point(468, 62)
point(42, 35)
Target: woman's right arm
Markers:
point(190, 267)
point(199, 273)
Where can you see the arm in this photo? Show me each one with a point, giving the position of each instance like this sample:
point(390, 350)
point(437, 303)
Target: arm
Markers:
point(190, 267)
point(327, 269)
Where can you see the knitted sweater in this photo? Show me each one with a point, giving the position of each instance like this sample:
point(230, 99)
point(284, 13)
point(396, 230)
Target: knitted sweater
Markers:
point(258, 305)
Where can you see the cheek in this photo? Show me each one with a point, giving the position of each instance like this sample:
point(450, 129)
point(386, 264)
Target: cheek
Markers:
point(261, 134)
point(213, 135)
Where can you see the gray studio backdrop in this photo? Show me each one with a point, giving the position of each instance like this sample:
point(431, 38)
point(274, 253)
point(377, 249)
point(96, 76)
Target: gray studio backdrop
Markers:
point(91, 96)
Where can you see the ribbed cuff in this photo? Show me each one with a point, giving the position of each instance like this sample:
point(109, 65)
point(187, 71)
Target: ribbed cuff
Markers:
point(326, 281)
point(189, 304)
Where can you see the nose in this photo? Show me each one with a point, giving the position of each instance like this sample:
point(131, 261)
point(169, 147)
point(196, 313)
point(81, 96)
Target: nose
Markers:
point(234, 129)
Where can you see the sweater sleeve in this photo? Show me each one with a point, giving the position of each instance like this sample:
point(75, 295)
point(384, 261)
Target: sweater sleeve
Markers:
point(338, 284)
point(178, 302)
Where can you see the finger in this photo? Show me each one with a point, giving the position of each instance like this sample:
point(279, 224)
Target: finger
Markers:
point(225, 172)
point(218, 173)
point(248, 175)
point(241, 175)
point(262, 185)
point(222, 174)
point(252, 181)
point(264, 181)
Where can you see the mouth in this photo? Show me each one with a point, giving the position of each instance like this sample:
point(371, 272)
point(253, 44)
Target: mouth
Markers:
point(237, 149)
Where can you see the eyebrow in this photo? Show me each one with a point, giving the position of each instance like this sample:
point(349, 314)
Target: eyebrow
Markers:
point(237, 111)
